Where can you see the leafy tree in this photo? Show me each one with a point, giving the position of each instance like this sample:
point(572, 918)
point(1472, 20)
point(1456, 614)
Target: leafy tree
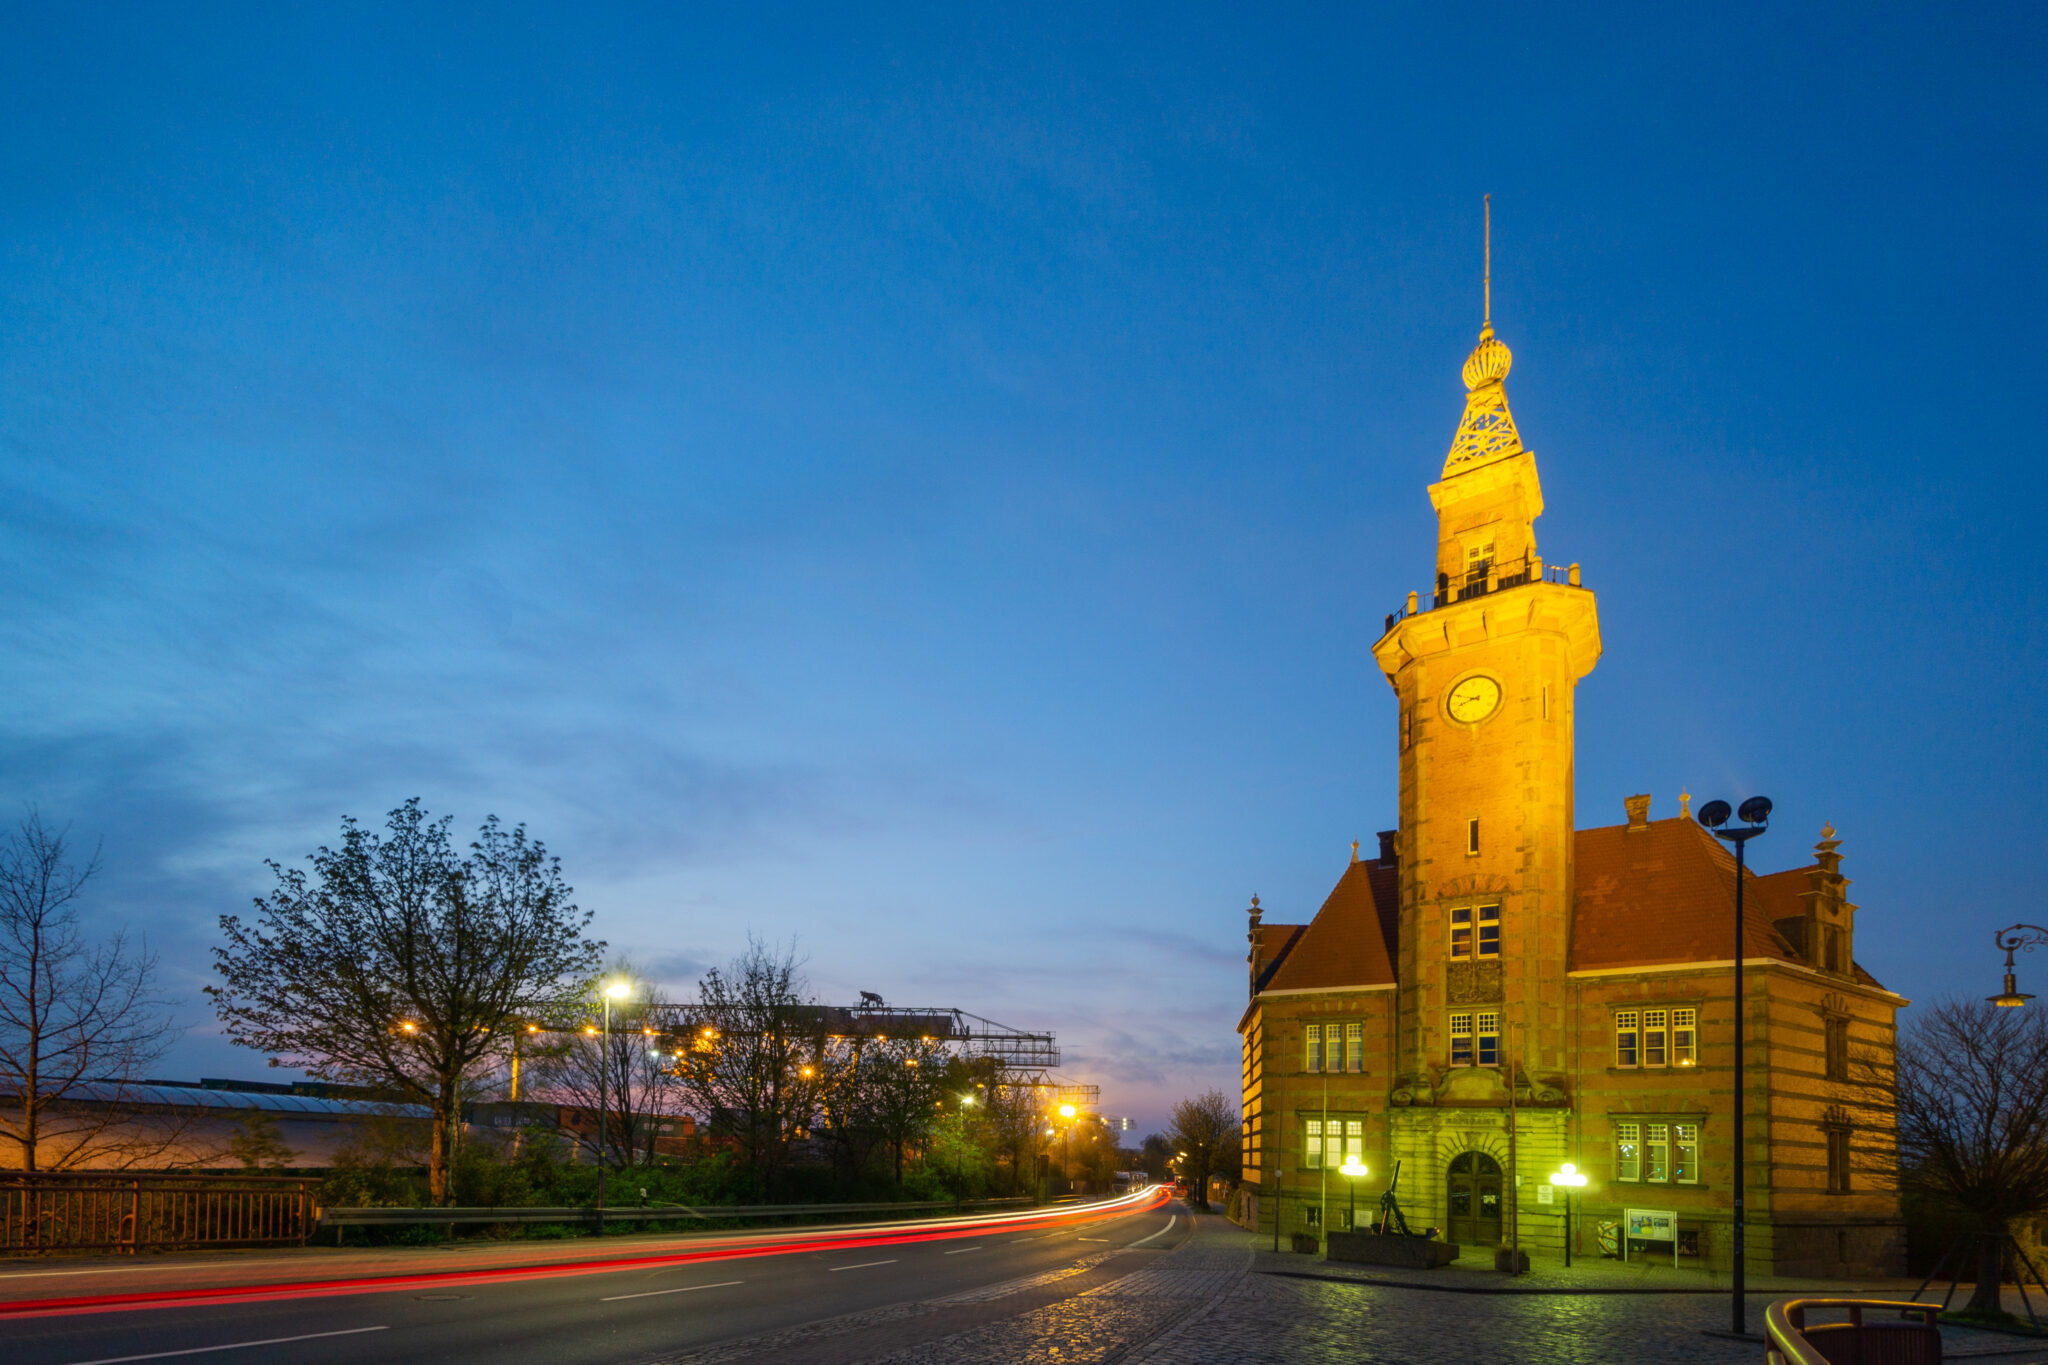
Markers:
point(403, 962)
point(1972, 1090)
point(1206, 1128)
point(1153, 1155)
point(259, 1143)
point(752, 1066)
point(79, 1018)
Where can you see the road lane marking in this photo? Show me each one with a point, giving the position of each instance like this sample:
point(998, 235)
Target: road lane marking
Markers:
point(686, 1289)
point(862, 1266)
point(230, 1346)
point(1170, 1221)
point(961, 1251)
point(1091, 1239)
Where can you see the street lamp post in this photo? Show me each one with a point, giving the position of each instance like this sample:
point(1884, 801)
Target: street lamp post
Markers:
point(615, 991)
point(2022, 938)
point(1067, 1112)
point(960, 1152)
point(1352, 1170)
point(1570, 1179)
point(1755, 814)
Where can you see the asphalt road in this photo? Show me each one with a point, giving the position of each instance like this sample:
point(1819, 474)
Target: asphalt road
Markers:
point(528, 1306)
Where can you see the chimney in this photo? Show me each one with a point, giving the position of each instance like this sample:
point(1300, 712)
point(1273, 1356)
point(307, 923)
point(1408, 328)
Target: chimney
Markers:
point(1638, 811)
point(1388, 853)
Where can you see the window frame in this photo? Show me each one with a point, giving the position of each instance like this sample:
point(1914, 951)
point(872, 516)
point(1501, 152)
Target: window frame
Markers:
point(1628, 1024)
point(1354, 1048)
point(1457, 1018)
point(1312, 1048)
point(1312, 1144)
point(1628, 1150)
point(1685, 1022)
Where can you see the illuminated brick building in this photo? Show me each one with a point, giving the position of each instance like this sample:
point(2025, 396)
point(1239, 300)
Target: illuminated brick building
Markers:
point(1500, 991)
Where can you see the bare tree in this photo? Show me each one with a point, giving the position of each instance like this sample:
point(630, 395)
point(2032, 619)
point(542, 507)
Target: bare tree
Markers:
point(1205, 1129)
point(80, 1020)
point(752, 1065)
point(404, 963)
point(1973, 1120)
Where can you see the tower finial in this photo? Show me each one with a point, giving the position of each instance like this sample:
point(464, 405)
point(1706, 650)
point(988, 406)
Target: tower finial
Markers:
point(1486, 327)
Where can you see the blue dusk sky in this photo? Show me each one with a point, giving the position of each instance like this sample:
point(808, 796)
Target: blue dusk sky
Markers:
point(924, 483)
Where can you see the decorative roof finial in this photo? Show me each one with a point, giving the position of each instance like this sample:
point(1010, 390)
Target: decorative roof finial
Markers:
point(1685, 805)
point(1486, 327)
point(1487, 431)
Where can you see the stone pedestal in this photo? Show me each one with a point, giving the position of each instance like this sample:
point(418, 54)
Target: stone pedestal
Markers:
point(1370, 1248)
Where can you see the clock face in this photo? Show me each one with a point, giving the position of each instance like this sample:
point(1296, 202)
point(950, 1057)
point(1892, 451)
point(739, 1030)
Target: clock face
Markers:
point(1473, 699)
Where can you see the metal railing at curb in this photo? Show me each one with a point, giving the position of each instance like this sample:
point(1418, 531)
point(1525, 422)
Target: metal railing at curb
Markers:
point(99, 1210)
point(585, 1216)
point(1792, 1342)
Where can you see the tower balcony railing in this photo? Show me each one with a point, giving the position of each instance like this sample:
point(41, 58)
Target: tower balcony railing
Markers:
point(1484, 580)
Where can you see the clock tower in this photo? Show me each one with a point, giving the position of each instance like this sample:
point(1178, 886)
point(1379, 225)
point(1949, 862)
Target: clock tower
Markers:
point(1485, 675)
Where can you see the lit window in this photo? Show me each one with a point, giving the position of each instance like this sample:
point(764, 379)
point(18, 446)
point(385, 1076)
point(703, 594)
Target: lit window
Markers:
point(1354, 1047)
point(1461, 1040)
point(1313, 1144)
point(1461, 931)
point(1628, 1026)
point(1657, 1152)
point(1314, 1051)
point(1685, 1153)
point(1685, 1037)
point(1354, 1140)
point(1628, 1151)
point(1489, 1039)
point(1489, 931)
point(1656, 1037)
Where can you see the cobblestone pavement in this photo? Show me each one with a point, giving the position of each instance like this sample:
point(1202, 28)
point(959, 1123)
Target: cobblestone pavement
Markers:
point(1220, 1299)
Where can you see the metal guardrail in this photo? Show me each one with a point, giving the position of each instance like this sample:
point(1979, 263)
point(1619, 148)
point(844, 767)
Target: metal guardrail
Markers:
point(86, 1211)
point(341, 1219)
point(1855, 1342)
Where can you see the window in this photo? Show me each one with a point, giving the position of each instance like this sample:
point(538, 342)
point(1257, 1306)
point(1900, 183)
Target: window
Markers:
point(1656, 1037)
point(1838, 1158)
point(1354, 1140)
point(1407, 728)
point(1312, 1215)
point(1836, 1033)
point(1354, 1047)
point(1489, 1039)
point(1685, 1153)
point(1628, 1151)
point(1685, 1037)
point(1628, 1034)
point(1314, 1051)
point(1461, 1040)
point(1475, 931)
point(1472, 835)
point(1657, 1152)
point(1312, 1145)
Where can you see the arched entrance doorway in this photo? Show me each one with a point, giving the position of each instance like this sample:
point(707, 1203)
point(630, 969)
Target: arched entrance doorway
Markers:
point(1474, 1204)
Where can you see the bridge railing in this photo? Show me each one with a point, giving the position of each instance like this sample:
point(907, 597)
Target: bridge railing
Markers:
point(339, 1220)
point(1855, 1342)
point(98, 1210)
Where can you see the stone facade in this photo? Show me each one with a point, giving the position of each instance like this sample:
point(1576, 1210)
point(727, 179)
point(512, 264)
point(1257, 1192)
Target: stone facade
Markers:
point(1507, 992)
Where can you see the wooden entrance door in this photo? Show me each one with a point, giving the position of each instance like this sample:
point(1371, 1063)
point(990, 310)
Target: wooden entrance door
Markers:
point(1474, 1205)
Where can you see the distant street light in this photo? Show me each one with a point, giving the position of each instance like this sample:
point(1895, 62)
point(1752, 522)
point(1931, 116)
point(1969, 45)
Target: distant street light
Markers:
point(2023, 937)
point(1353, 1170)
point(1569, 1179)
point(1067, 1112)
point(1756, 817)
point(617, 990)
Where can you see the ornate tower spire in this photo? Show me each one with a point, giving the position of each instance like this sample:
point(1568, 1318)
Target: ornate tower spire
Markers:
point(1487, 430)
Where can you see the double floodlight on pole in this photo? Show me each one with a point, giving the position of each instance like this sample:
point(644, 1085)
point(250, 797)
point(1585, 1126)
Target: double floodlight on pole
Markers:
point(617, 990)
point(2021, 938)
point(1570, 1179)
point(1755, 814)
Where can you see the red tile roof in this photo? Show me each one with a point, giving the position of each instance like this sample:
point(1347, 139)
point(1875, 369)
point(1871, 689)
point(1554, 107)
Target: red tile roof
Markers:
point(1666, 893)
point(1653, 896)
point(1347, 944)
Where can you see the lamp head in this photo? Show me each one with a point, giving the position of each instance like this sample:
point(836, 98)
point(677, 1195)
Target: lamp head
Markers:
point(1714, 814)
point(1756, 810)
point(2012, 998)
point(1066, 1111)
point(1353, 1168)
point(618, 990)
